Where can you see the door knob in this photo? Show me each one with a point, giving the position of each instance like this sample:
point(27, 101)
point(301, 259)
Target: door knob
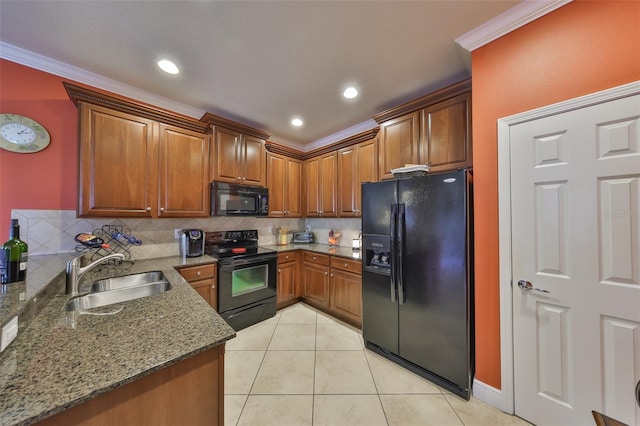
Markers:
point(526, 285)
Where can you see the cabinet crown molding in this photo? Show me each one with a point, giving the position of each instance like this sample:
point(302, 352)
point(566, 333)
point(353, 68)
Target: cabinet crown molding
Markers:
point(215, 120)
point(80, 94)
point(424, 101)
point(351, 140)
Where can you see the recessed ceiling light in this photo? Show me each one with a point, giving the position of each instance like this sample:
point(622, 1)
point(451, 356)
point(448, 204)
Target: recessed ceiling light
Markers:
point(297, 122)
point(168, 66)
point(350, 92)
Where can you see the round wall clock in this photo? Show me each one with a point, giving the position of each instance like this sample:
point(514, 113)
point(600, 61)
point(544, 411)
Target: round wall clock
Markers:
point(21, 134)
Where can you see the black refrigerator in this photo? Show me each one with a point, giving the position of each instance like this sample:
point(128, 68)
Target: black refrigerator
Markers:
point(417, 275)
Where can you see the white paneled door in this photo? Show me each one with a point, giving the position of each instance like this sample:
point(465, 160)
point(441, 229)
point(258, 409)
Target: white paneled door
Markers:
point(575, 210)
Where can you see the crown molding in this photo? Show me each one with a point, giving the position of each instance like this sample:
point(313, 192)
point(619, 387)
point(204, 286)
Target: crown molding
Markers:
point(514, 18)
point(61, 69)
point(339, 136)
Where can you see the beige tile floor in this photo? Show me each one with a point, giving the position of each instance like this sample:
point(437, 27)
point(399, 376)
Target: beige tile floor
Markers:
point(303, 367)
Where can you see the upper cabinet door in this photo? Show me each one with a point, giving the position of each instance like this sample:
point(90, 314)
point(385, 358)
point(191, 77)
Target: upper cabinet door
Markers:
point(399, 140)
point(347, 181)
point(253, 158)
point(356, 164)
point(312, 185)
point(226, 157)
point(446, 139)
point(184, 173)
point(118, 164)
point(329, 185)
point(293, 184)
point(276, 165)
point(284, 180)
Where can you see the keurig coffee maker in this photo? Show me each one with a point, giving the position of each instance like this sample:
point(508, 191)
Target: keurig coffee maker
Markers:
point(191, 243)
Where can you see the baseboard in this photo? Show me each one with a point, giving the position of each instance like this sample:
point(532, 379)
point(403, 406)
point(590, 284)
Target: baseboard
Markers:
point(487, 394)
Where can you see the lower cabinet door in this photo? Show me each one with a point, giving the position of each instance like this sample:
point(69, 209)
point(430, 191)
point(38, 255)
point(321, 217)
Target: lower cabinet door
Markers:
point(316, 283)
point(286, 282)
point(346, 294)
point(207, 289)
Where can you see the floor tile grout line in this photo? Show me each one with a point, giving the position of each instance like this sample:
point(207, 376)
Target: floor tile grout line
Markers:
point(259, 367)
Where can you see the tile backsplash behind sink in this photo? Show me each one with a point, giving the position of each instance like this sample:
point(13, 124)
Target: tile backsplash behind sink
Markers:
point(53, 231)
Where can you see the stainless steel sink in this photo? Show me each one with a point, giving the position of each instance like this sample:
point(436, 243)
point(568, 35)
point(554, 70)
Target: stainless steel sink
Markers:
point(116, 295)
point(127, 281)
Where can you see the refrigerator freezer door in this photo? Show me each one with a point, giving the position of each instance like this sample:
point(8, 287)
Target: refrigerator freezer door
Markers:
point(377, 199)
point(434, 320)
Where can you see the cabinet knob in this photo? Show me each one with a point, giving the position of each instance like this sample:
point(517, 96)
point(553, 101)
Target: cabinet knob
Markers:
point(345, 265)
point(314, 258)
point(148, 209)
point(161, 209)
point(326, 273)
point(198, 273)
point(331, 275)
point(213, 286)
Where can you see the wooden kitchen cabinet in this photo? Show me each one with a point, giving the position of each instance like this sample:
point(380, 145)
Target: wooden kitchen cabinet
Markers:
point(445, 128)
point(287, 293)
point(315, 278)
point(183, 174)
point(321, 185)
point(346, 290)
point(189, 392)
point(399, 143)
point(356, 164)
point(434, 129)
point(204, 280)
point(238, 158)
point(137, 161)
point(284, 180)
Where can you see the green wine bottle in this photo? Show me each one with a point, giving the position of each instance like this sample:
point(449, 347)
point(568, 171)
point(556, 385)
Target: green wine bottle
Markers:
point(17, 253)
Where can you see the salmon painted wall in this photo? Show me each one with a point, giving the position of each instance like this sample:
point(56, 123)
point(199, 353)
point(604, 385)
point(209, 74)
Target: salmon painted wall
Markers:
point(45, 179)
point(581, 48)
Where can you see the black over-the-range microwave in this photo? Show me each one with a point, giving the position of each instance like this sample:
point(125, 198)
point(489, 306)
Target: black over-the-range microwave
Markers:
point(238, 200)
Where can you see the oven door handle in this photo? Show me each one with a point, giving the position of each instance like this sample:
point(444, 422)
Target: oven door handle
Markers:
point(248, 260)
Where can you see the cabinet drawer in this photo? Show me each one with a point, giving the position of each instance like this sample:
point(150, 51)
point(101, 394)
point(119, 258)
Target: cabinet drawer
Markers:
point(200, 272)
point(346, 264)
point(289, 256)
point(319, 259)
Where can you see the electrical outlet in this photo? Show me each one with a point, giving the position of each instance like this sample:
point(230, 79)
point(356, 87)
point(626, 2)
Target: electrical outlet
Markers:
point(9, 332)
point(177, 233)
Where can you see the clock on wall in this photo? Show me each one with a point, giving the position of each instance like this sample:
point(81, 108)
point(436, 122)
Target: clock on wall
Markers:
point(21, 134)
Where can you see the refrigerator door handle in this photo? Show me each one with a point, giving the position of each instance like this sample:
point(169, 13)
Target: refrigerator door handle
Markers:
point(392, 234)
point(400, 248)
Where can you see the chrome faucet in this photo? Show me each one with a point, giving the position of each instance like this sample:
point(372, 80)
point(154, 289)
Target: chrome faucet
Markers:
point(75, 272)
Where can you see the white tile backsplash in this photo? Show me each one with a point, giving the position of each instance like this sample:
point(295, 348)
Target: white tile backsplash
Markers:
point(53, 231)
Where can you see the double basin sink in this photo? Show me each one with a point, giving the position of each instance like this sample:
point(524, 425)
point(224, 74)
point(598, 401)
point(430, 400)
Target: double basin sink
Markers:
point(108, 291)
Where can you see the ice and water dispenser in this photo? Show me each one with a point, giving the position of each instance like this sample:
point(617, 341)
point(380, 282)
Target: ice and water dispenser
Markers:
point(377, 253)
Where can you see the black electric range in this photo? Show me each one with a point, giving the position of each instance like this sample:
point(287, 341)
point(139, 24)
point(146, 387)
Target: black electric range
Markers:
point(247, 276)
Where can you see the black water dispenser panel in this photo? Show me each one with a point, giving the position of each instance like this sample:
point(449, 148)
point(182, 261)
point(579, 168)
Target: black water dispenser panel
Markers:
point(377, 255)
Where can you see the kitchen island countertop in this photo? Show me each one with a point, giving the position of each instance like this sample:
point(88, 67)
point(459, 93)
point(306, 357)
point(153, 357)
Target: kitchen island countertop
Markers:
point(63, 359)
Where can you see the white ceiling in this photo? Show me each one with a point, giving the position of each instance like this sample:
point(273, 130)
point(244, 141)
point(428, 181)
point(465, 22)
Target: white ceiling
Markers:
point(261, 62)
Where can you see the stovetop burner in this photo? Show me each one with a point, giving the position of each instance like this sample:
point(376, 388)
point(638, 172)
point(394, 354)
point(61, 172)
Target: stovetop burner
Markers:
point(235, 244)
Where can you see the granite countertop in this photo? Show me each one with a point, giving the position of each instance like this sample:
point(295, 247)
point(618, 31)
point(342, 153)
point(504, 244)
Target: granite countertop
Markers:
point(346, 252)
point(63, 359)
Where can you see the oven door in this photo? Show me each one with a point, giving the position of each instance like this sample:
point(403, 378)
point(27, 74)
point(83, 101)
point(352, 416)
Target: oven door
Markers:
point(246, 280)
